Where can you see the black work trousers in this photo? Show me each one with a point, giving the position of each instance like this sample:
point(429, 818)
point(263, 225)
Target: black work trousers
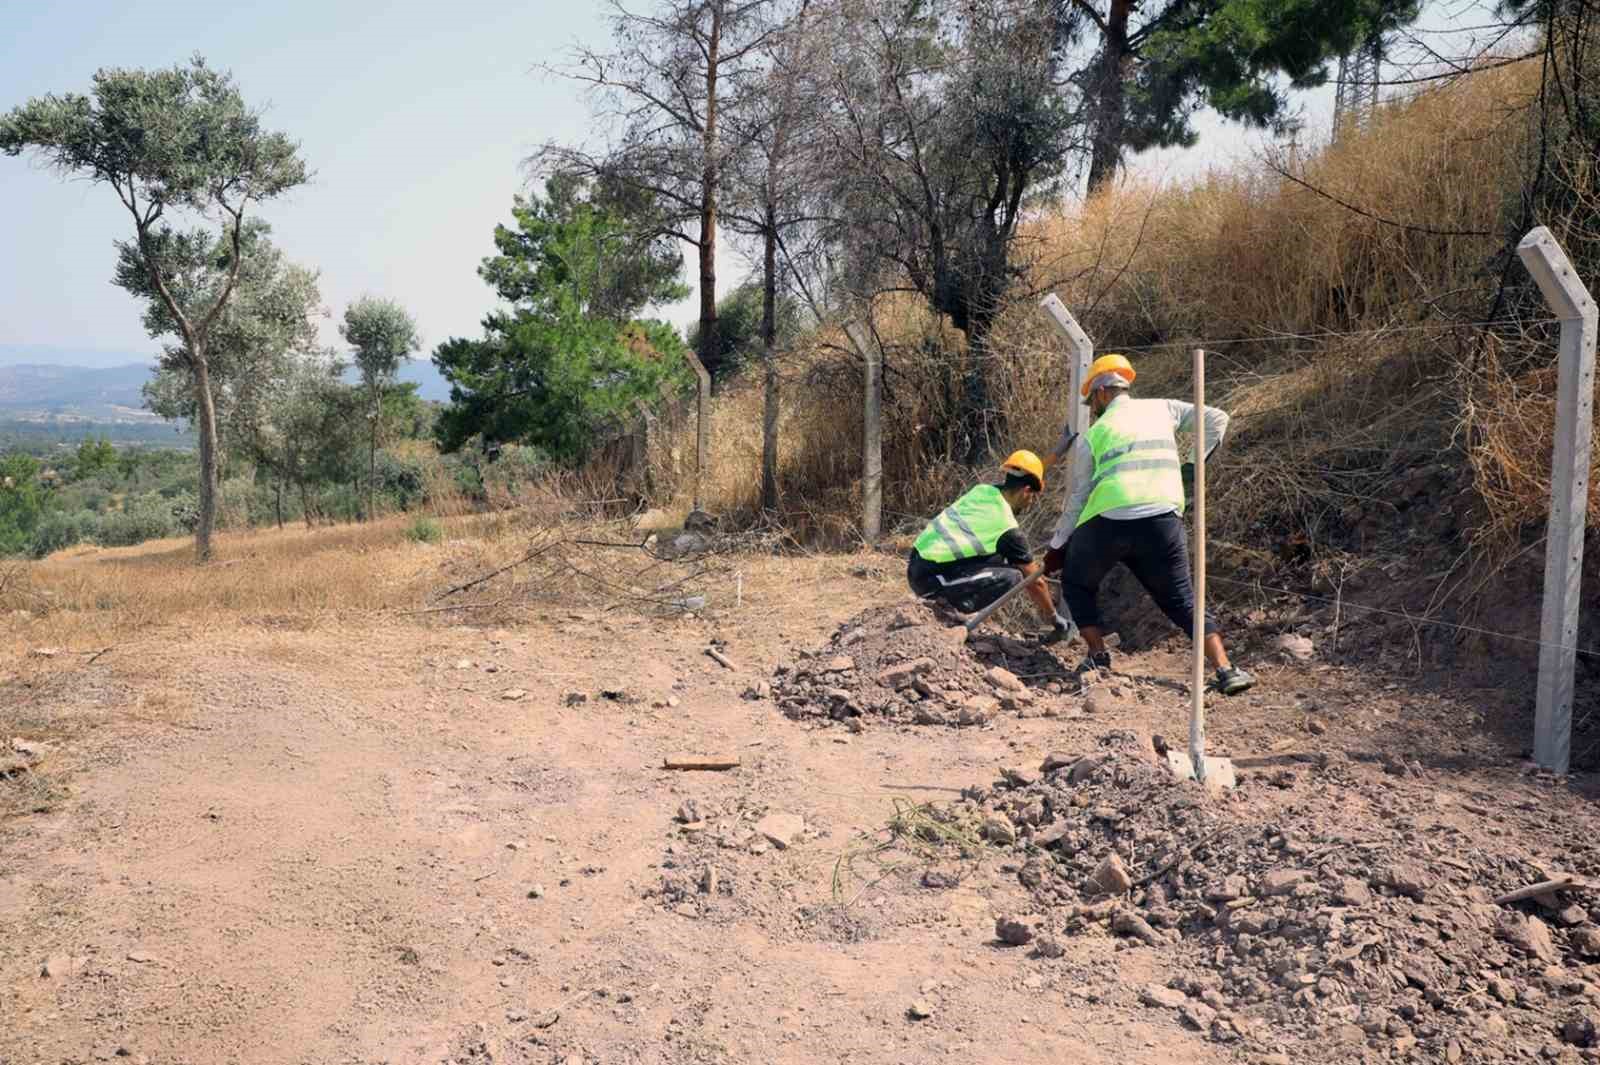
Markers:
point(1156, 552)
point(968, 585)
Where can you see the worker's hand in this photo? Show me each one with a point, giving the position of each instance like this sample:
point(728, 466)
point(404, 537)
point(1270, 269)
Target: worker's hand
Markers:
point(1055, 559)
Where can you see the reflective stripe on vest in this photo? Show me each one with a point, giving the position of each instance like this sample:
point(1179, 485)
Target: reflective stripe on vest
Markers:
point(970, 527)
point(1135, 458)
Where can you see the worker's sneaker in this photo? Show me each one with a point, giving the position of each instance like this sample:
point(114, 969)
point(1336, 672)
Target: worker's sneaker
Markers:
point(1233, 681)
point(1060, 632)
point(1095, 664)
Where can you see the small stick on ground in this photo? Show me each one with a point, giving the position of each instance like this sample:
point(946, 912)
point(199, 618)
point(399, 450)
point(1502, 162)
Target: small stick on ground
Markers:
point(721, 658)
point(709, 762)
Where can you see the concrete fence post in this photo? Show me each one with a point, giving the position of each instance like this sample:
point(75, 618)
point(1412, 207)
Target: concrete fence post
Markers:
point(1080, 350)
point(1569, 495)
point(871, 434)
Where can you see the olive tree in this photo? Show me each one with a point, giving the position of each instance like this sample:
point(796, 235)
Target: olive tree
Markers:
point(383, 336)
point(169, 142)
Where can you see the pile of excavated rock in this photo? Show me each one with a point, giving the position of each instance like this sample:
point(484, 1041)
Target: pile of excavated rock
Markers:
point(909, 664)
point(1291, 913)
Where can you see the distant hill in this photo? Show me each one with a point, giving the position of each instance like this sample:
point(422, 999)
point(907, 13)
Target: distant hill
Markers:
point(101, 394)
point(111, 394)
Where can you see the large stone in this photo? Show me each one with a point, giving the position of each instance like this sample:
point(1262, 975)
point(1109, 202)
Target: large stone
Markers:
point(1005, 680)
point(1049, 947)
point(920, 1010)
point(999, 830)
point(1014, 931)
point(1295, 647)
point(1231, 887)
point(1110, 877)
point(1127, 923)
point(1085, 768)
point(1585, 939)
point(1167, 998)
point(1406, 878)
point(781, 829)
point(1581, 1028)
point(1353, 892)
point(839, 664)
point(901, 675)
point(1054, 761)
point(1281, 881)
point(1528, 934)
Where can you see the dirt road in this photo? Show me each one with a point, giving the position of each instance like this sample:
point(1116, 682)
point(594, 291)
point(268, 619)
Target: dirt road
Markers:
point(321, 846)
point(406, 842)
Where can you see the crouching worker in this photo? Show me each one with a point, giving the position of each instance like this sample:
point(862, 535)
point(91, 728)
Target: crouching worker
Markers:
point(973, 552)
point(1126, 505)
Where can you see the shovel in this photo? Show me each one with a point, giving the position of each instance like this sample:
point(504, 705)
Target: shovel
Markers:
point(960, 633)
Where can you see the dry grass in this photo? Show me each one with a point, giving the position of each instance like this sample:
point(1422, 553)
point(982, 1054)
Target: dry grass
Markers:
point(1334, 337)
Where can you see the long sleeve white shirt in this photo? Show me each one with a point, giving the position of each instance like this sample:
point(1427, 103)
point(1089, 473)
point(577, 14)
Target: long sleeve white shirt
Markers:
point(1080, 468)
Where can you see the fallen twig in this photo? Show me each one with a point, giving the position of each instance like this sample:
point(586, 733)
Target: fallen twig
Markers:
point(529, 557)
point(455, 606)
point(721, 658)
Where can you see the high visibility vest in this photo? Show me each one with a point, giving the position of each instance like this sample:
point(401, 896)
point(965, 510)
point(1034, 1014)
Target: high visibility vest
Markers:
point(970, 527)
point(1135, 458)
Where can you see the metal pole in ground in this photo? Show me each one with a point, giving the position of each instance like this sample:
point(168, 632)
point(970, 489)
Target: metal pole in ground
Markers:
point(1197, 682)
point(1569, 494)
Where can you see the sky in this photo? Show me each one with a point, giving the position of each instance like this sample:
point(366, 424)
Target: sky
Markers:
point(414, 117)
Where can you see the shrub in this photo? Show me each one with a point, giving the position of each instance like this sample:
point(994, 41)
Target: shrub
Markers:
point(146, 517)
point(60, 530)
point(424, 530)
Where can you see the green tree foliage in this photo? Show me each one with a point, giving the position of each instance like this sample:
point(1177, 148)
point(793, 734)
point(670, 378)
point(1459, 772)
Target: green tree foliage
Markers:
point(268, 324)
point(739, 313)
point(1156, 64)
point(383, 337)
point(22, 502)
point(92, 458)
point(168, 142)
point(949, 119)
point(597, 242)
point(310, 429)
point(568, 357)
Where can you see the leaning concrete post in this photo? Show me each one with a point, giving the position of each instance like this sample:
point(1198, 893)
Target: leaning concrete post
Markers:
point(1569, 495)
point(1081, 353)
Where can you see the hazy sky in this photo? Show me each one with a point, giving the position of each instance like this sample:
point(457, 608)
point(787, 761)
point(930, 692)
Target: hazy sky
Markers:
point(414, 117)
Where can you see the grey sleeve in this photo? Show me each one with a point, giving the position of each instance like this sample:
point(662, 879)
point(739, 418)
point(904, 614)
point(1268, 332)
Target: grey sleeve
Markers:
point(1080, 471)
point(1216, 422)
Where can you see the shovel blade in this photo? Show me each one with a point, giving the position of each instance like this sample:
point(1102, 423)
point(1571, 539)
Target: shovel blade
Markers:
point(1219, 771)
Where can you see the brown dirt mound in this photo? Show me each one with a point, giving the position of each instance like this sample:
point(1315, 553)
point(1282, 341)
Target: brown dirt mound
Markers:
point(906, 664)
point(1329, 908)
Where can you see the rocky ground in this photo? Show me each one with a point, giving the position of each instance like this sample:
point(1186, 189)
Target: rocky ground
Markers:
point(411, 841)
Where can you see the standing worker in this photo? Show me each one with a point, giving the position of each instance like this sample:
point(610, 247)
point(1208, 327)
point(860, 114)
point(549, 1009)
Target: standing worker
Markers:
point(973, 552)
point(1126, 505)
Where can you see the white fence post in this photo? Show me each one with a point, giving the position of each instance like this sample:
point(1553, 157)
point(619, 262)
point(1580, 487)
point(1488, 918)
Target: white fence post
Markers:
point(871, 435)
point(1569, 495)
point(1081, 349)
point(1197, 711)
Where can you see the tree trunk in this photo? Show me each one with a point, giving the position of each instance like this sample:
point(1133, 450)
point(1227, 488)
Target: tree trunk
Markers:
point(372, 467)
point(769, 355)
point(206, 416)
point(709, 180)
point(1110, 93)
point(277, 502)
point(709, 341)
point(305, 507)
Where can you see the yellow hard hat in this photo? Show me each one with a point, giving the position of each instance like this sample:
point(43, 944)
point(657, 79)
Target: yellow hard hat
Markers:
point(1027, 463)
point(1117, 364)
